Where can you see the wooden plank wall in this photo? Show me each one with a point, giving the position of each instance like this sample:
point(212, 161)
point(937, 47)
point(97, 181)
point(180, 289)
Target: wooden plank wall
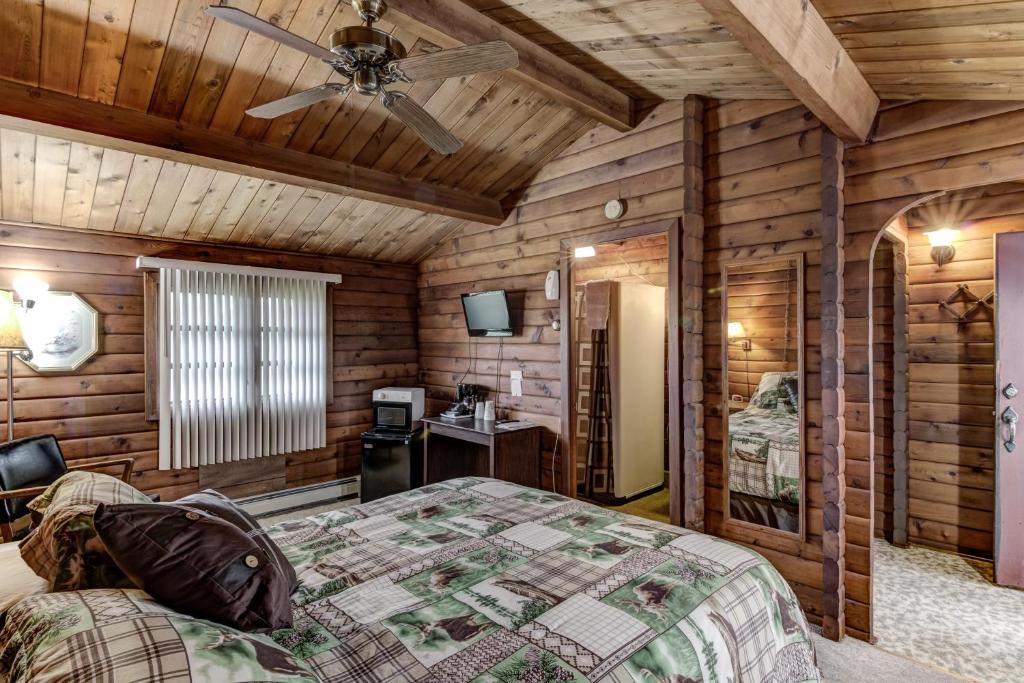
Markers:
point(98, 411)
point(763, 198)
point(566, 200)
point(765, 303)
point(952, 371)
point(917, 149)
point(642, 260)
point(882, 344)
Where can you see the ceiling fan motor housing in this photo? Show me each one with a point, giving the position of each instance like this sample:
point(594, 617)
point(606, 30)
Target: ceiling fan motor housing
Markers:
point(370, 10)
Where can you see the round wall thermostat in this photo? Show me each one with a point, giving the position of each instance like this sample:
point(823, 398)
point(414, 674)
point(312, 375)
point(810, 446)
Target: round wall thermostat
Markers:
point(615, 209)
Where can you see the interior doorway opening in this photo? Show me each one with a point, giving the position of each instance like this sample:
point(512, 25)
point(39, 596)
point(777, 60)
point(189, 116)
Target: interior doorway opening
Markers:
point(621, 370)
point(934, 442)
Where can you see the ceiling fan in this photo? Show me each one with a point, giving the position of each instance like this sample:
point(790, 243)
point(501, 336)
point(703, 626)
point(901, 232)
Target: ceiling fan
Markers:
point(370, 59)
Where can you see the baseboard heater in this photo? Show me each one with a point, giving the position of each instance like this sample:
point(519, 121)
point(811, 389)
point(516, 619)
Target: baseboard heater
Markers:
point(301, 497)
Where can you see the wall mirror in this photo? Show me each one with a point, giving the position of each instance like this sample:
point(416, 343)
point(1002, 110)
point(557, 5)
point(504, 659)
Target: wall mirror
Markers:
point(763, 402)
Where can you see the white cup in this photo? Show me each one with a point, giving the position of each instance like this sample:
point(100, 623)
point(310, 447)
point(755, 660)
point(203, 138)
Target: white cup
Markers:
point(489, 411)
point(479, 414)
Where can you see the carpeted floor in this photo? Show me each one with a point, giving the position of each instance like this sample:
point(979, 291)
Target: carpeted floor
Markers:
point(854, 661)
point(653, 506)
point(943, 609)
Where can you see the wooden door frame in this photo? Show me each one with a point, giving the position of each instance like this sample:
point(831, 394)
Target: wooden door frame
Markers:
point(672, 229)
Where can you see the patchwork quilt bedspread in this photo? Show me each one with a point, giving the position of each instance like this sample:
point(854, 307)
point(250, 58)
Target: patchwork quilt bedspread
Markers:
point(764, 454)
point(468, 580)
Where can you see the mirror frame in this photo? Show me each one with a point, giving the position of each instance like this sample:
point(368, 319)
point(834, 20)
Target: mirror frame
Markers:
point(797, 260)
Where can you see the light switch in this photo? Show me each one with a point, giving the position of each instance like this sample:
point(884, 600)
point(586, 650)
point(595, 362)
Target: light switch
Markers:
point(517, 382)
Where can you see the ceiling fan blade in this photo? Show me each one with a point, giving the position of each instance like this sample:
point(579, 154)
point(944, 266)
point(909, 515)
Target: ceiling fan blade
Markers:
point(426, 126)
point(267, 30)
point(496, 55)
point(299, 100)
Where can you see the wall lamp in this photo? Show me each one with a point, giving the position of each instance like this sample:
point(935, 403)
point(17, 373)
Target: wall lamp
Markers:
point(737, 333)
point(941, 241)
point(585, 252)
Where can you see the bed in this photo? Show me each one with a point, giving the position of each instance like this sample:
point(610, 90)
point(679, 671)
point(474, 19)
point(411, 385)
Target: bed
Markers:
point(472, 579)
point(764, 455)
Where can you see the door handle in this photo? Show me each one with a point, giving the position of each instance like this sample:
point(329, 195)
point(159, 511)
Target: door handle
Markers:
point(1010, 419)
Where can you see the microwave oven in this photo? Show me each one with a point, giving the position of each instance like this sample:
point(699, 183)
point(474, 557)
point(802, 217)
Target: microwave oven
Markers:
point(397, 409)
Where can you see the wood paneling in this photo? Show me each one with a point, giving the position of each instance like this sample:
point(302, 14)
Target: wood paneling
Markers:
point(649, 48)
point(949, 412)
point(763, 200)
point(565, 202)
point(173, 61)
point(883, 271)
point(99, 411)
point(946, 50)
point(910, 142)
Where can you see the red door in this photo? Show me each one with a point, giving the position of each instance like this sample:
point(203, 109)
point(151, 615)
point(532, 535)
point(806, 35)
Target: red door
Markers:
point(1009, 503)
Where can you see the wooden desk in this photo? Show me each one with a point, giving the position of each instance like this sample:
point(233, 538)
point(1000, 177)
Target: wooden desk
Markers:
point(468, 447)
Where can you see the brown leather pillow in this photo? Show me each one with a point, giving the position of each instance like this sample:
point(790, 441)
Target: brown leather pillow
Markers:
point(197, 564)
point(219, 505)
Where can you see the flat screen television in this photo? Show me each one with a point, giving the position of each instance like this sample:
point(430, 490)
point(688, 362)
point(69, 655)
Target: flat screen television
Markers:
point(487, 314)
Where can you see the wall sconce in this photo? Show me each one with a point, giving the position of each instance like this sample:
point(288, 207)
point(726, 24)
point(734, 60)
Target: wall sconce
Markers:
point(942, 245)
point(585, 252)
point(30, 289)
point(737, 332)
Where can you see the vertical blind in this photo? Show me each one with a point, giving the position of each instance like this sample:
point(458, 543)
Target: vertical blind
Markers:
point(243, 362)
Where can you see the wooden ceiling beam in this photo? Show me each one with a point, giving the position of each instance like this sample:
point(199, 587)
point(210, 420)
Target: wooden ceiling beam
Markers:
point(791, 40)
point(449, 23)
point(53, 114)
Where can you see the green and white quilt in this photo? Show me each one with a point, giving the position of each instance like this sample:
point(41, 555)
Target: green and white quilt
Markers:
point(764, 454)
point(469, 580)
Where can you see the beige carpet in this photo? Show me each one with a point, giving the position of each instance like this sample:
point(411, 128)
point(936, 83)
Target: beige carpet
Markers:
point(943, 609)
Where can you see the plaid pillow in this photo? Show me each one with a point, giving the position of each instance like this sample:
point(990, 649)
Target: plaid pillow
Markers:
point(64, 549)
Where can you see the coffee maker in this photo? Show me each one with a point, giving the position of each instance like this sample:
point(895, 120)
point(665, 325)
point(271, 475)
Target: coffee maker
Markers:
point(466, 397)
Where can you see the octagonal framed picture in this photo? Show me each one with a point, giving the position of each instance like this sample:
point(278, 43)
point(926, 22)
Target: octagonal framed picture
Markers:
point(62, 331)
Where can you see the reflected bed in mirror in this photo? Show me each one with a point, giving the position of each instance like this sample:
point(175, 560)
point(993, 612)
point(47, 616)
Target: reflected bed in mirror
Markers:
point(763, 393)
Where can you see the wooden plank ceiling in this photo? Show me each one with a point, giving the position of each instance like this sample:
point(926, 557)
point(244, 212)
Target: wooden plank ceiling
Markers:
point(170, 59)
point(933, 49)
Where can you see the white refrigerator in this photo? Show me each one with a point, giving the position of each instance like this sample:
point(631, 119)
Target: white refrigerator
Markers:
point(636, 356)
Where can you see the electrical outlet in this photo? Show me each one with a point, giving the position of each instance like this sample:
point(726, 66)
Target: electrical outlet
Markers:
point(517, 382)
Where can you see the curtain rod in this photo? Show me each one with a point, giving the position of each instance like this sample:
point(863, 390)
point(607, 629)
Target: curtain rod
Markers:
point(154, 263)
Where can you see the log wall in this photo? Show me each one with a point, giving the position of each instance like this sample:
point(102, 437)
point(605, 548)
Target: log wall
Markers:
point(917, 150)
point(763, 198)
point(952, 370)
point(565, 201)
point(98, 412)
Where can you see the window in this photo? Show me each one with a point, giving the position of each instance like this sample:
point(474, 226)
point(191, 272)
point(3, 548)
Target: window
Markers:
point(241, 360)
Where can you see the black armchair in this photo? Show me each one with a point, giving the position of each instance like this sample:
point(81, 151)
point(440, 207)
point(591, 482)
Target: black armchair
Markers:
point(28, 466)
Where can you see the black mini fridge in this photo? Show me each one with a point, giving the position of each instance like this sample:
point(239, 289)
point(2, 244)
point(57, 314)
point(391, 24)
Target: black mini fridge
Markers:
point(392, 463)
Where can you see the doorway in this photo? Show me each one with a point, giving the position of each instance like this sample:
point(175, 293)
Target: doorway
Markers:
point(620, 369)
point(935, 598)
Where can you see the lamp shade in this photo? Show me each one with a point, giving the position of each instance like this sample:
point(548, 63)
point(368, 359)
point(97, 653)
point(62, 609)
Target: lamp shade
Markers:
point(942, 237)
point(11, 338)
point(736, 330)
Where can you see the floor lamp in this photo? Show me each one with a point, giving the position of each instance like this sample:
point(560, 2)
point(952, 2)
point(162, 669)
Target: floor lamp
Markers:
point(11, 342)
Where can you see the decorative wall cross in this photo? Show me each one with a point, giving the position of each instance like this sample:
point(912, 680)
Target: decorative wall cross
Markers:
point(964, 293)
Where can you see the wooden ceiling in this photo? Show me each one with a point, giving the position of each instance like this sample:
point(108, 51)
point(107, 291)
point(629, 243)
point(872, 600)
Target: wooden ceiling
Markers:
point(167, 60)
point(933, 49)
point(49, 181)
point(652, 49)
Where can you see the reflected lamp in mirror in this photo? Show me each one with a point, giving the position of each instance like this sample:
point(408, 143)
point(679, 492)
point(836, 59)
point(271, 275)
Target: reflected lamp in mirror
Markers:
point(738, 336)
point(941, 241)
